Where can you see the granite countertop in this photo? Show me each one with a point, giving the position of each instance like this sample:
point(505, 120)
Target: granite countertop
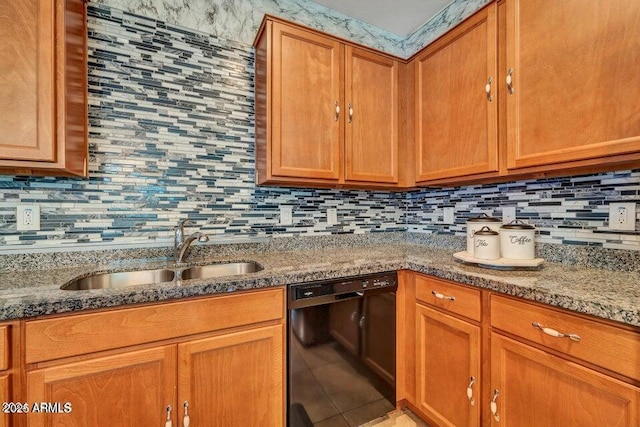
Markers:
point(607, 294)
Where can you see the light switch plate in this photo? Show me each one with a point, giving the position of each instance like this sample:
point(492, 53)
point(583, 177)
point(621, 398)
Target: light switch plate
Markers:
point(28, 217)
point(332, 216)
point(508, 214)
point(447, 215)
point(286, 215)
point(622, 216)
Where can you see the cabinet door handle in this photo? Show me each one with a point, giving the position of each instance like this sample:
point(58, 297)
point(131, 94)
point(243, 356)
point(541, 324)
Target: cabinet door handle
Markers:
point(350, 113)
point(487, 89)
point(443, 296)
point(554, 333)
point(337, 112)
point(186, 420)
point(168, 422)
point(509, 81)
point(494, 405)
point(470, 391)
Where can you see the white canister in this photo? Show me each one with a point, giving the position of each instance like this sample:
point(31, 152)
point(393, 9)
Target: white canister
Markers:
point(517, 240)
point(475, 224)
point(486, 244)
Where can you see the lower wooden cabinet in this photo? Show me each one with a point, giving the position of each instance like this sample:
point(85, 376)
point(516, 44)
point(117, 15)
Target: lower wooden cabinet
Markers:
point(233, 379)
point(132, 388)
point(231, 375)
point(534, 388)
point(5, 396)
point(525, 373)
point(448, 363)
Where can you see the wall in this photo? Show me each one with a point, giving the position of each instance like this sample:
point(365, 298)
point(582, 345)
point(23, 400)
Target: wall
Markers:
point(569, 211)
point(171, 137)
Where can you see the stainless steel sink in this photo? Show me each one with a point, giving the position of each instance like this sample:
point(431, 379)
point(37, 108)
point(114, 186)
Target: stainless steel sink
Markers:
point(120, 280)
point(149, 277)
point(220, 270)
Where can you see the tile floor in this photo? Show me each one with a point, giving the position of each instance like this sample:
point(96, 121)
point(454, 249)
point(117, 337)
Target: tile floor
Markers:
point(333, 393)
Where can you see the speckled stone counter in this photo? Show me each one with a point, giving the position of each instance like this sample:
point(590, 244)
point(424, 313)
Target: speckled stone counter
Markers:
point(607, 294)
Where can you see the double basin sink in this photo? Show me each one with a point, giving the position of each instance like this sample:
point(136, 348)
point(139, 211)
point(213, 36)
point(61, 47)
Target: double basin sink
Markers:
point(148, 277)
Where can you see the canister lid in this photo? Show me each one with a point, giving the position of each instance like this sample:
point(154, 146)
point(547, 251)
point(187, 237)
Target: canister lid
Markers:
point(486, 231)
point(484, 218)
point(516, 224)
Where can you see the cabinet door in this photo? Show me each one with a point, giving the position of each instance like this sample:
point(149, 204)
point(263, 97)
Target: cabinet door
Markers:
point(5, 396)
point(538, 389)
point(575, 79)
point(448, 356)
point(306, 90)
point(456, 123)
point(234, 379)
point(371, 113)
point(130, 389)
point(27, 86)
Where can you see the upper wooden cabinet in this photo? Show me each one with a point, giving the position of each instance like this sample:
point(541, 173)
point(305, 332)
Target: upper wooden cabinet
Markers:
point(43, 90)
point(575, 80)
point(371, 96)
point(456, 119)
point(327, 112)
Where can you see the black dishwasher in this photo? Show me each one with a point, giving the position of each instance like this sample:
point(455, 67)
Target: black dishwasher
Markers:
point(341, 349)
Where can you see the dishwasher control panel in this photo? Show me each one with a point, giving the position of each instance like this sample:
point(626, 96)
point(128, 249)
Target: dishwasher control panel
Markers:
point(352, 286)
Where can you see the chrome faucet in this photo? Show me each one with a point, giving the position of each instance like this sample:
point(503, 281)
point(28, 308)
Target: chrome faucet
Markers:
point(182, 244)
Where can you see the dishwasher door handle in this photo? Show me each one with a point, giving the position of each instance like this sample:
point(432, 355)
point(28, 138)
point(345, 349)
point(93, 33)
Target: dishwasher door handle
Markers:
point(349, 295)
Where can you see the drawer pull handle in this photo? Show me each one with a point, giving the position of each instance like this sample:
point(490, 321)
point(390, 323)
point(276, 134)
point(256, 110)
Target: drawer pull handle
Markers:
point(470, 391)
point(186, 421)
point(443, 296)
point(554, 333)
point(168, 422)
point(494, 405)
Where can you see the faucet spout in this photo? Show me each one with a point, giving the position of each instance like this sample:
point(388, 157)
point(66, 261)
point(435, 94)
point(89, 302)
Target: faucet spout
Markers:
point(182, 243)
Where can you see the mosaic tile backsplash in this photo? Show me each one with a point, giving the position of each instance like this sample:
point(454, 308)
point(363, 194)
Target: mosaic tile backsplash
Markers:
point(172, 137)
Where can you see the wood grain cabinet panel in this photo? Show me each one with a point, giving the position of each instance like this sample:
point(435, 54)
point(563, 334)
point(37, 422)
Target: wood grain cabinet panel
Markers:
point(575, 80)
point(447, 357)
point(43, 90)
point(234, 379)
point(371, 132)
point(327, 112)
point(130, 389)
point(306, 90)
point(538, 389)
point(456, 120)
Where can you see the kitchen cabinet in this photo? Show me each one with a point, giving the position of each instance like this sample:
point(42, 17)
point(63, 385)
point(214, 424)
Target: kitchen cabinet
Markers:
point(234, 379)
point(205, 358)
point(327, 112)
point(457, 101)
point(132, 388)
point(6, 372)
point(572, 66)
point(555, 104)
point(43, 92)
point(532, 364)
point(448, 370)
point(535, 388)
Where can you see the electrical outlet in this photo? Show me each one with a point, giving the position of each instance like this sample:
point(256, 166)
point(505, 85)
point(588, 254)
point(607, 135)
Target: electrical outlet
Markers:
point(286, 215)
point(332, 216)
point(28, 217)
point(622, 216)
point(447, 216)
point(508, 214)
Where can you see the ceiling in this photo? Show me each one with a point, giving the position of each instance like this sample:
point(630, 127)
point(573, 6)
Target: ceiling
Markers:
point(400, 17)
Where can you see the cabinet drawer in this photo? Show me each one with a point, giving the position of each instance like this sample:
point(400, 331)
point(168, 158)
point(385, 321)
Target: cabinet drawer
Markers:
point(449, 296)
point(603, 345)
point(77, 334)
